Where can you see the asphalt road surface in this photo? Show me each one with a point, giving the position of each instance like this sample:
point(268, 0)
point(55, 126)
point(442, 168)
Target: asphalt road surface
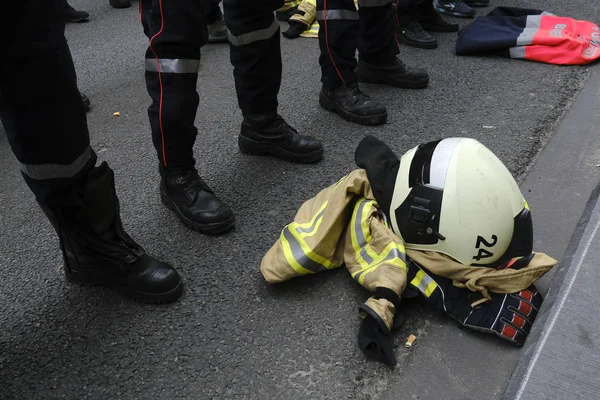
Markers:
point(231, 335)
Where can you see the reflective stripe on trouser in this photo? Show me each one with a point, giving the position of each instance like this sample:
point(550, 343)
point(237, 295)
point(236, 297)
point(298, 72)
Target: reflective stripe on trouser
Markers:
point(255, 52)
point(176, 30)
point(41, 108)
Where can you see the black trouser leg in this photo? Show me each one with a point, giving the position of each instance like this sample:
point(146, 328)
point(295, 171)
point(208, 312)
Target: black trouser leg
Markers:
point(338, 41)
point(377, 41)
point(408, 11)
point(40, 105)
point(255, 53)
point(176, 30)
point(214, 12)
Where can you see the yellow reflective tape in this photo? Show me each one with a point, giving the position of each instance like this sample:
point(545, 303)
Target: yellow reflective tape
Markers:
point(287, 252)
point(357, 233)
point(340, 181)
point(311, 254)
point(430, 288)
point(308, 229)
point(305, 235)
point(366, 256)
point(526, 204)
point(424, 283)
point(312, 32)
point(366, 229)
point(392, 254)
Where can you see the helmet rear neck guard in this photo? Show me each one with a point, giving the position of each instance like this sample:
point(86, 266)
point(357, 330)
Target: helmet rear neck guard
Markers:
point(459, 223)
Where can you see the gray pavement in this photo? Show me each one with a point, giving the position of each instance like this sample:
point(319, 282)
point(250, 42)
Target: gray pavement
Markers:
point(558, 360)
point(231, 335)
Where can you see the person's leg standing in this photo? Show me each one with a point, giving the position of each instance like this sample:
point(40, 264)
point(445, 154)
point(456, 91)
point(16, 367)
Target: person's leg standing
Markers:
point(408, 29)
point(256, 58)
point(44, 118)
point(378, 49)
point(338, 41)
point(217, 30)
point(176, 30)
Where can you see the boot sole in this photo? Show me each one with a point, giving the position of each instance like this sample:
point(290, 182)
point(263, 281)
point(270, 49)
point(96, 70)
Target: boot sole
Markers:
point(419, 45)
point(252, 147)
point(77, 20)
point(213, 228)
point(368, 77)
point(331, 105)
point(150, 298)
point(438, 28)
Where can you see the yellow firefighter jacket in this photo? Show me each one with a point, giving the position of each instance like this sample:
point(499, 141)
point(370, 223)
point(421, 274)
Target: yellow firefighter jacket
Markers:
point(307, 15)
point(343, 224)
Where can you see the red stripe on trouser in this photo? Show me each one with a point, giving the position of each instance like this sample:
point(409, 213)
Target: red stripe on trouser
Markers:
point(327, 42)
point(160, 108)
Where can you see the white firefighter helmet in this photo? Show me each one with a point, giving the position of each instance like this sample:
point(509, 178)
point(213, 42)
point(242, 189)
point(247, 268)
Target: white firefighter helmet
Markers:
point(454, 196)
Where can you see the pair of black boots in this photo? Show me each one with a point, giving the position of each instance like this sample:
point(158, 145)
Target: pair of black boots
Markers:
point(97, 250)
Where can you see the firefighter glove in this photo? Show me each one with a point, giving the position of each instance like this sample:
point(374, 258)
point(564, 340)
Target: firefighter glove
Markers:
point(295, 30)
point(374, 338)
point(509, 316)
point(381, 314)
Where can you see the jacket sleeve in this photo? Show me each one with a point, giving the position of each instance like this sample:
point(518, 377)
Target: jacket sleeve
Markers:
point(375, 257)
point(306, 14)
point(509, 279)
point(314, 241)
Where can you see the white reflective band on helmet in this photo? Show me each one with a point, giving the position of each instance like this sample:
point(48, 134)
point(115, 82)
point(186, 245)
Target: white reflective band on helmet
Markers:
point(440, 160)
point(172, 65)
point(373, 3)
point(254, 36)
point(338, 14)
point(57, 171)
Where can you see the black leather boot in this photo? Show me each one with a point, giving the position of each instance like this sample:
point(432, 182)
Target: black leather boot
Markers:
point(431, 20)
point(120, 3)
point(350, 103)
point(413, 35)
point(393, 73)
point(97, 250)
point(270, 135)
point(183, 191)
point(72, 15)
